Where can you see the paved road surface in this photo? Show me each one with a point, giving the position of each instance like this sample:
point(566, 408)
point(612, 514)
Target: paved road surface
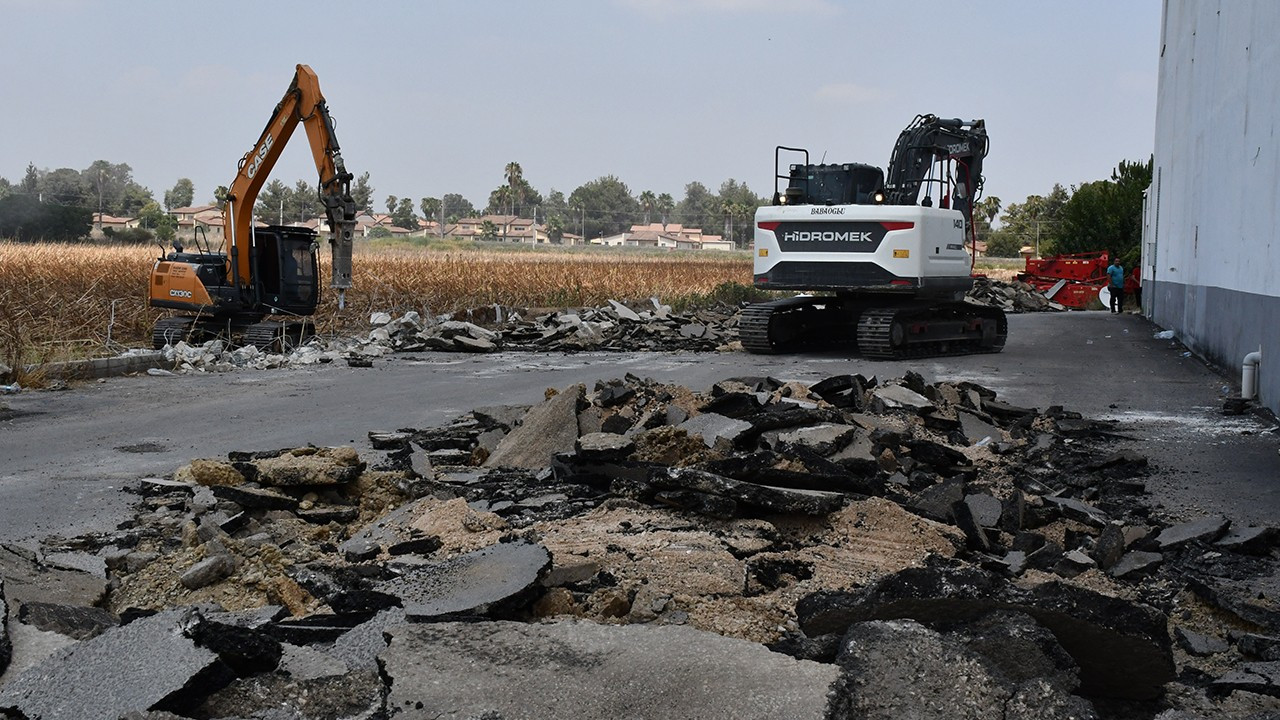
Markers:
point(65, 455)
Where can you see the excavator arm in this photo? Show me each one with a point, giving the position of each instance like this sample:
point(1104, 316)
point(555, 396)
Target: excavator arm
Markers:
point(302, 103)
point(927, 141)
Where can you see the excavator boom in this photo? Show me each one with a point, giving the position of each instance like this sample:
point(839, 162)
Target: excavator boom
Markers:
point(302, 103)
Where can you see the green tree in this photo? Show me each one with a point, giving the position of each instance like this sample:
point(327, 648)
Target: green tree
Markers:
point(152, 217)
point(362, 193)
point(110, 186)
point(30, 181)
point(1033, 222)
point(65, 186)
point(273, 200)
point(403, 216)
point(392, 202)
point(665, 205)
point(6, 188)
point(24, 218)
point(220, 195)
point(499, 201)
point(430, 208)
point(488, 231)
point(555, 228)
point(608, 206)
point(454, 207)
point(648, 201)
point(182, 194)
point(699, 207)
point(514, 175)
point(1106, 214)
point(303, 204)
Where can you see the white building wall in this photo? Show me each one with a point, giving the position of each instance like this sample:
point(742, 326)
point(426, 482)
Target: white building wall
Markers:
point(1211, 252)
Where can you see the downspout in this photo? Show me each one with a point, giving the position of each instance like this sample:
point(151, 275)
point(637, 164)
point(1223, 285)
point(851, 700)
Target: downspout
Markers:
point(1249, 375)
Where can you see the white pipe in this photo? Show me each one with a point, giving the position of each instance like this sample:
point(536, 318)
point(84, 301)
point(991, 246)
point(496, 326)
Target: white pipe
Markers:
point(1249, 375)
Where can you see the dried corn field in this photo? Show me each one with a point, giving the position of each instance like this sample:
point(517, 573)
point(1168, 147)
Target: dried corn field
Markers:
point(59, 301)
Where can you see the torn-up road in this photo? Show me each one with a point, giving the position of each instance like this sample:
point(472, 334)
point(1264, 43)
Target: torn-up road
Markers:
point(847, 548)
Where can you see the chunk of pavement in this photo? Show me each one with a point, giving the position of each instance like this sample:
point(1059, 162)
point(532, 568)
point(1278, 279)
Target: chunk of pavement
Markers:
point(1122, 647)
point(823, 439)
point(27, 580)
point(548, 428)
point(1205, 529)
point(1260, 647)
point(255, 498)
point(280, 696)
point(768, 497)
point(1135, 562)
point(205, 471)
point(899, 397)
point(712, 426)
point(73, 621)
point(894, 669)
point(469, 583)
point(1254, 540)
point(147, 664)
point(245, 650)
point(208, 571)
point(984, 509)
point(325, 466)
point(1199, 644)
point(1078, 510)
point(358, 648)
point(1262, 678)
point(659, 672)
point(624, 312)
point(604, 446)
point(976, 429)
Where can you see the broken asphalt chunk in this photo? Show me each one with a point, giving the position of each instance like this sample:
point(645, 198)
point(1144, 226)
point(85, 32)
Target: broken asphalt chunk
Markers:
point(149, 664)
point(1203, 530)
point(1122, 647)
point(602, 672)
point(469, 583)
point(764, 497)
point(547, 429)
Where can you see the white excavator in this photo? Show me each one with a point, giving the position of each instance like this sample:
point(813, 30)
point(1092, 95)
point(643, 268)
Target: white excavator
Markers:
point(881, 260)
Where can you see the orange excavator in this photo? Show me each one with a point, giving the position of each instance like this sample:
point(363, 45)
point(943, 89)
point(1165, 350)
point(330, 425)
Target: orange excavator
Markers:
point(264, 287)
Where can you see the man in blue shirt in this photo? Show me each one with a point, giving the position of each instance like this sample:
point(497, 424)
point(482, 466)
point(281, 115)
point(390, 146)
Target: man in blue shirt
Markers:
point(1116, 273)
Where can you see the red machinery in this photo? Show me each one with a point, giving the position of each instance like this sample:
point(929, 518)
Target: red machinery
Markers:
point(1072, 280)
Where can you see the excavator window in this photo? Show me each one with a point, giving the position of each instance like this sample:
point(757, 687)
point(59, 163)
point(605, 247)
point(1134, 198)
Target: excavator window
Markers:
point(844, 184)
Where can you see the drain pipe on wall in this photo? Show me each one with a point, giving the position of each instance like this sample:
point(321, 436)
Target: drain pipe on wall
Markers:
point(1249, 375)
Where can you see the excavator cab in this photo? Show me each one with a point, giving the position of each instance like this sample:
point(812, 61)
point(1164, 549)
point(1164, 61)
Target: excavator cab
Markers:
point(287, 269)
point(843, 184)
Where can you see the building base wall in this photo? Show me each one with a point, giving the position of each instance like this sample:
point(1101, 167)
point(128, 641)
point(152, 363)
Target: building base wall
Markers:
point(1222, 326)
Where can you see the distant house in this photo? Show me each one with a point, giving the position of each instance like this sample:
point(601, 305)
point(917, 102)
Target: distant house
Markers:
point(103, 222)
point(508, 228)
point(672, 236)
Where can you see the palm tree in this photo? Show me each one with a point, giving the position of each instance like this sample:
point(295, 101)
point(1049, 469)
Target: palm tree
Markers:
point(648, 201)
point(515, 183)
point(665, 205)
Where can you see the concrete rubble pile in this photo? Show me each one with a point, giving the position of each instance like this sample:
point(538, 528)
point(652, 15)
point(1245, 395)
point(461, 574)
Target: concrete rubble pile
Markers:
point(847, 549)
point(1015, 296)
point(614, 326)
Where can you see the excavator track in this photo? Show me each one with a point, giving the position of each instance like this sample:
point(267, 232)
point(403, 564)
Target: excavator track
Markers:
point(910, 331)
point(792, 325)
point(931, 331)
point(171, 331)
point(278, 336)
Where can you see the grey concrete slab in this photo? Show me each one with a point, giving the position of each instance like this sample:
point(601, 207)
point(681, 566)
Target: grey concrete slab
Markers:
point(595, 672)
point(128, 669)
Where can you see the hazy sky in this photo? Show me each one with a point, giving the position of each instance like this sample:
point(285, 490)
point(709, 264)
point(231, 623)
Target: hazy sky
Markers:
point(433, 97)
